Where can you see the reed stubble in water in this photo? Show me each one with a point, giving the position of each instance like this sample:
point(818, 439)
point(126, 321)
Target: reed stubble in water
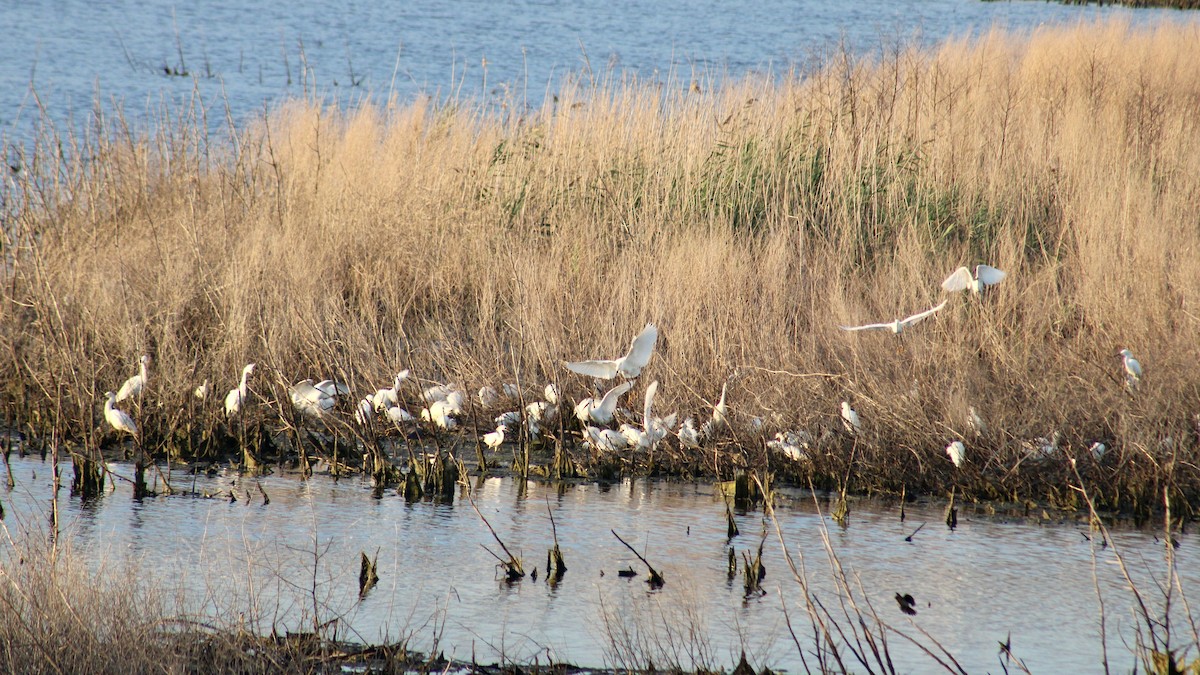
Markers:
point(747, 222)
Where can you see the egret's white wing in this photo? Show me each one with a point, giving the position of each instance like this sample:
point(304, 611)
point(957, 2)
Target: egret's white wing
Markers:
point(331, 388)
point(304, 391)
point(650, 392)
point(869, 326)
point(923, 315)
point(989, 275)
point(131, 387)
point(603, 370)
point(961, 279)
point(640, 351)
point(608, 404)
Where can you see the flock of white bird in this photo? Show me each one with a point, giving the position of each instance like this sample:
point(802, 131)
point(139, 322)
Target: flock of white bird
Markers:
point(444, 404)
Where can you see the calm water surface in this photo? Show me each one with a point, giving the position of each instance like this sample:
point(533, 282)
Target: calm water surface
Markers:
point(247, 55)
point(974, 586)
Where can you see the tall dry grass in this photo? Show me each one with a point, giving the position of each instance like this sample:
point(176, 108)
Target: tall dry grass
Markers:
point(747, 221)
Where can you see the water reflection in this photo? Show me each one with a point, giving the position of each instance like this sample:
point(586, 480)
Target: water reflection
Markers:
point(294, 561)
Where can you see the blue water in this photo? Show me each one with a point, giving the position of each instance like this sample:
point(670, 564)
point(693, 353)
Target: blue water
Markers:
point(265, 563)
point(67, 56)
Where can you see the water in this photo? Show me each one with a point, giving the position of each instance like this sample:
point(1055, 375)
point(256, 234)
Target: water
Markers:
point(249, 55)
point(974, 586)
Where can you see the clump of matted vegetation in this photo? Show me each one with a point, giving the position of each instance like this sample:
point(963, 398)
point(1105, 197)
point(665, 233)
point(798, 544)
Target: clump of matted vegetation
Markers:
point(747, 222)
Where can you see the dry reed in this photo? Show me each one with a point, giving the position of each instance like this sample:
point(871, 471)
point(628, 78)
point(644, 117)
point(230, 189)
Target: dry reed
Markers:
point(747, 221)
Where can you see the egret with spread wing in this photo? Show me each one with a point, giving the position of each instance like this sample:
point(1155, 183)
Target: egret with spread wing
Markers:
point(630, 365)
point(899, 324)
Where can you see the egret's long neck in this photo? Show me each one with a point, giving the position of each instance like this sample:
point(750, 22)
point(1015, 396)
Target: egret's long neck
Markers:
point(242, 385)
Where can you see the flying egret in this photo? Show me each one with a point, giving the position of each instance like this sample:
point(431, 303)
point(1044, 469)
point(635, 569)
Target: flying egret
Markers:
point(118, 419)
point(899, 324)
point(237, 396)
point(962, 279)
point(601, 412)
point(1133, 368)
point(850, 418)
point(495, 438)
point(957, 452)
point(133, 386)
point(629, 366)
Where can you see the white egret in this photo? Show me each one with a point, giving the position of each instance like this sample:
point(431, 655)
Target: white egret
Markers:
point(331, 388)
point(719, 415)
point(440, 413)
point(629, 366)
point(388, 397)
point(961, 279)
point(850, 418)
point(791, 444)
point(237, 396)
point(541, 411)
point(605, 439)
point(133, 386)
point(1098, 449)
point(601, 412)
point(511, 390)
point(364, 412)
point(118, 419)
point(495, 438)
point(688, 436)
point(397, 415)
point(508, 419)
point(201, 392)
point(437, 393)
point(899, 324)
point(975, 422)
point(551, 394)
point(312, 400)
point(488, 397)
point(1133, 368)
point(957, 452)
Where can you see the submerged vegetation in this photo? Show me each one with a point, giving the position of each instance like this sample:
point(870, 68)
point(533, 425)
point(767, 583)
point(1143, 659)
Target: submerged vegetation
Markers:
point(747, 220)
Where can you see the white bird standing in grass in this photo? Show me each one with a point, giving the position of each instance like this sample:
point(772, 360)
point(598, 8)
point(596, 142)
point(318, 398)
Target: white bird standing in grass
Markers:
point(237, 396)
point(961, 279)
point(899, 324)
point(364, 412)
point(397, 415)
point(850, 418)
point(118, 419)
point(551, 394)
point(717, 422)
point(688, 436)
point(385, 398)
point(629, 366)
point(495, 439)
point(957, 452)
point(488, 397)
point(133, 386)
point(601, 412)
point(1133, 369)
point(201, 392)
